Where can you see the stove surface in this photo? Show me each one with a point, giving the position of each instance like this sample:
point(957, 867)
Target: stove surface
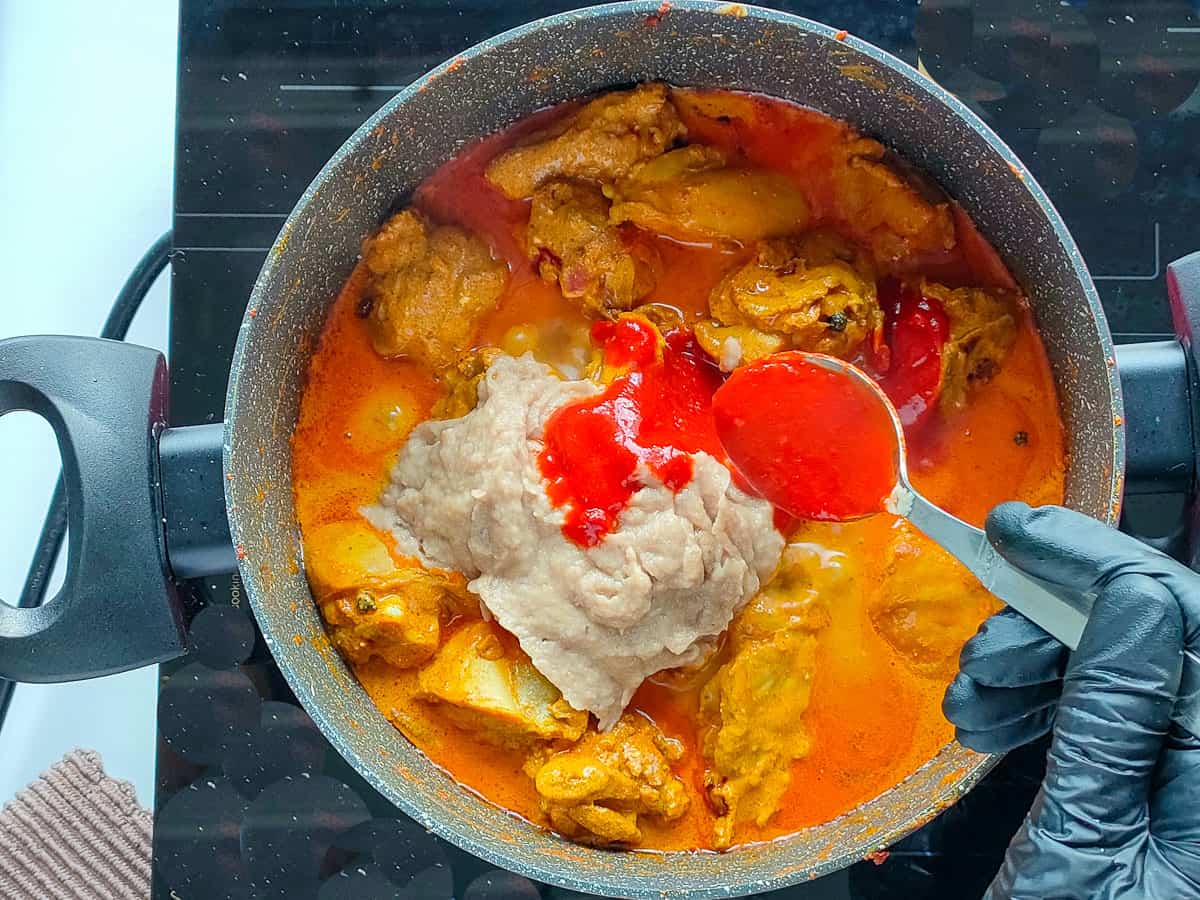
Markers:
point(1100, 100)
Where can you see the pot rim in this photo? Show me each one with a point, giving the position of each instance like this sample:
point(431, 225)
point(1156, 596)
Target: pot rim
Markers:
point(565, 875)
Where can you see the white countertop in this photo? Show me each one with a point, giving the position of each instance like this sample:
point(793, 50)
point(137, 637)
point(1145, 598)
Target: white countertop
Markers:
point(87, 123)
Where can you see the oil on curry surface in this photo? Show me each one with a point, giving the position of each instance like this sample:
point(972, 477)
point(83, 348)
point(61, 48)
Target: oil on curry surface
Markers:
point(743, 226)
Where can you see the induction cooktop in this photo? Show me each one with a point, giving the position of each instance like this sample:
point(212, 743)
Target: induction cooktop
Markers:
point(1100, 100)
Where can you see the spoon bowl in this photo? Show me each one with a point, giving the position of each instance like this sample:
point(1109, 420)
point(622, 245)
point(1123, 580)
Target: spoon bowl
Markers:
point(813, 434)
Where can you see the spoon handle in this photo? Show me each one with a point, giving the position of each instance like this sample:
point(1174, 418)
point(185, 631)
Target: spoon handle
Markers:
point(1052, 608)
point(1058, 610)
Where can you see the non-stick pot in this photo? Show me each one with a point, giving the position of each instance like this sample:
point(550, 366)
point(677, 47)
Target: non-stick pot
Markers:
point(150, 505)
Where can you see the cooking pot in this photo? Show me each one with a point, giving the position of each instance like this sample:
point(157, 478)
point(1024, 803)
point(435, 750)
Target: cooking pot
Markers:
point(150, 505)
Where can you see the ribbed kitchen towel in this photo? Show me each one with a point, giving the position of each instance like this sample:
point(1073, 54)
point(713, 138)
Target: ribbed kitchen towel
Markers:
point(75, 834)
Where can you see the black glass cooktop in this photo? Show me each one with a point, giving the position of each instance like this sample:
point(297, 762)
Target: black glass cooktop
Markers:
point(1099, 98)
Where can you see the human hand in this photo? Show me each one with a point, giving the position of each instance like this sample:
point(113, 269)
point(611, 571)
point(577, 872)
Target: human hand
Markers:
point(1118, 814)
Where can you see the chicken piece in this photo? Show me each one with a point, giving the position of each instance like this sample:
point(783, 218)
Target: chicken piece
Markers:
point(815, 292)
point(428, 286)
point(372, 605)
point(735, 345)
point(982, 331)
point(401, 626)
point(462, 384)
point(927, 605)
point(601, 142)
point(594, 792)
point(890, 211)
point(751, 711)
point(484, 683)
point(572, 242)
point(341, 557)
point(345, 557)
point(690, 194)
point(758, 698)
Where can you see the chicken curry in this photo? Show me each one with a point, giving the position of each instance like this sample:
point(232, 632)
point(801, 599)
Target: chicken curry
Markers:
point(622, 255)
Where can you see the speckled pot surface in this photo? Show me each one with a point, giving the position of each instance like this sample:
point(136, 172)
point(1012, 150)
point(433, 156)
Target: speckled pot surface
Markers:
point(487, 88)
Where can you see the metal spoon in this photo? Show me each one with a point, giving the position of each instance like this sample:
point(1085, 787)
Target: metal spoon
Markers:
point(1059, 610)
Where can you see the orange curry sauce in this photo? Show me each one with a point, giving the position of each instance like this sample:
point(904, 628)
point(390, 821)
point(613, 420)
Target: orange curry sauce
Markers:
point(872, 720)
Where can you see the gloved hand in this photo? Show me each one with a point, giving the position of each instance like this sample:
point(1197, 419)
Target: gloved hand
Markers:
point(1118, 815)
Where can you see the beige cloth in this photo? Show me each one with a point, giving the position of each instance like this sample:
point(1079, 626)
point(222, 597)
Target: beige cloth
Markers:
point(75, 834)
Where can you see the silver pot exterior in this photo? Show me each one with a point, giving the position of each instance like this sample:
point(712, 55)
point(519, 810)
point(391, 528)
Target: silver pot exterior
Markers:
point(481, 91)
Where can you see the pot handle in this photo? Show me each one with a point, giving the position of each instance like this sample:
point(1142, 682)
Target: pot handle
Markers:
point(118, 608)
point(1160, 382)
point(1183, 291)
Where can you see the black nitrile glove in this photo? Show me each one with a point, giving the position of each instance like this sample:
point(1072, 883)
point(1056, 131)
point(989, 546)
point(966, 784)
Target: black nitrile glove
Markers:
point(1118, 815)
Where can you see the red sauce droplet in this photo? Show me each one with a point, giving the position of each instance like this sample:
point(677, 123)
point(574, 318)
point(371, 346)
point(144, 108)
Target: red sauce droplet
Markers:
point(814, 442)
point(915, 329)
point(657, 414)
